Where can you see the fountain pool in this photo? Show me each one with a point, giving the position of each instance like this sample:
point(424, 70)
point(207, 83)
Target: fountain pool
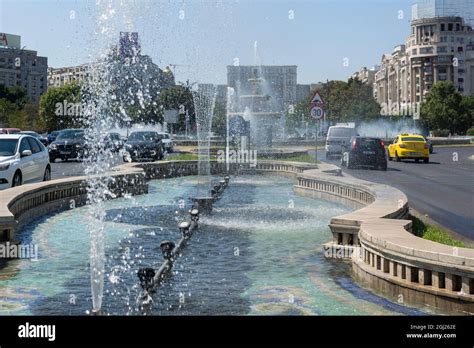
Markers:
point(258, 253)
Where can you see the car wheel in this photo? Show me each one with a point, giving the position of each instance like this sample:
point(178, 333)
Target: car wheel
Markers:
point(383, 166)
point(417, 160)
point(397, 158)
point(47, 174)
point(388, 155)
point(426, 160)
point(17, 179)
point(52, 159)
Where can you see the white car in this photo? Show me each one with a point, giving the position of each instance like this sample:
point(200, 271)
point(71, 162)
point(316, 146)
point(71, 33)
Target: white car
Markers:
point(22, 159)
point(167, 142)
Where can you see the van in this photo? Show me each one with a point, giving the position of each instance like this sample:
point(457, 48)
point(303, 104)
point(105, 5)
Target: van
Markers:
point(337, 138)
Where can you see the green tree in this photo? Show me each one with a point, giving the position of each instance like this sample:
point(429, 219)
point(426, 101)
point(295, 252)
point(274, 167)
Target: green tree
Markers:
point(350, 101)
point(219, 120)
point(179, 98)
point(445, 108)
point(60, 107)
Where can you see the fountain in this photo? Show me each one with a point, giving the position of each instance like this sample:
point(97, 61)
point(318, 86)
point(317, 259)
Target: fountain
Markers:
point(255, 105)
point(204, 101)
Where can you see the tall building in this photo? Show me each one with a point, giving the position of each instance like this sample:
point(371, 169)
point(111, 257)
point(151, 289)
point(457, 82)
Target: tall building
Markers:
point(22, 68)
point(444, 8)
point(438, 49)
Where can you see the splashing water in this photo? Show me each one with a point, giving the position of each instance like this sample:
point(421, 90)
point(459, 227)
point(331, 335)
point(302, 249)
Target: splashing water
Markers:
point(204, 101)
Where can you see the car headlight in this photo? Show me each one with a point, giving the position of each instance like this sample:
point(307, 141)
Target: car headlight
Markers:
point(53, 146)
point(77, 146)
point(4, 166)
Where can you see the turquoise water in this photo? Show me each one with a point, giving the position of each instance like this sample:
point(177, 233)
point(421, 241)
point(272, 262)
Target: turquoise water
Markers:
point(258, 253)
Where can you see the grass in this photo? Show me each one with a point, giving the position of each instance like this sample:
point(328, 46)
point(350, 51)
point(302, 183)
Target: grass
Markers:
point(183, 157)
point(434, 233)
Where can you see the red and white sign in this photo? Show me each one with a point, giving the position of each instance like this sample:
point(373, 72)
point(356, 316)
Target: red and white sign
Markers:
point(317, 99)
point(317, 112)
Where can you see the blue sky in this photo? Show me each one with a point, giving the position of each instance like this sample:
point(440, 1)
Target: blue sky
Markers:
point(206, 35)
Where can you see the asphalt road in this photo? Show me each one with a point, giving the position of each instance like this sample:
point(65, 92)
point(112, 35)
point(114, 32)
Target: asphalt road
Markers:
point(61, 169)
point(443, 189)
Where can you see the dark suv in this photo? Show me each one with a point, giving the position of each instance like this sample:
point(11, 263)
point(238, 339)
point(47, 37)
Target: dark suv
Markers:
point(364, 152)
point(143, 145)
point(70, 143)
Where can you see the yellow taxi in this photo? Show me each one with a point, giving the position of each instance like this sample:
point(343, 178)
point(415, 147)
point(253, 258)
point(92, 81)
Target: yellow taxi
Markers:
point(409, 146)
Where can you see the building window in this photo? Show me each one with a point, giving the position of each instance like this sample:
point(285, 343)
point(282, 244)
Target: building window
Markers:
point(442, 27)
point(442, 49)
point(450, 26)
point(414, 51)
point(458, 27)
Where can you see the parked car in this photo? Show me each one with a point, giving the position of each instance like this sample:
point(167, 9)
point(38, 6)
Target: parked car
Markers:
point(143, 145)
point(364, 152)
point(114, 141)
point(70, 143)
point(41, 138)
point(409, 146)
point(167, 142)
point(9, 130)
point(337, 138)
point(52, 136)
point(22, 159)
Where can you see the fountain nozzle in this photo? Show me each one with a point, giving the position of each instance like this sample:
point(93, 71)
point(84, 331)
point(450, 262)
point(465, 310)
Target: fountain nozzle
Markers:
point(167, 248)
point(194, 215)
point(184, 228)
point(146, 276)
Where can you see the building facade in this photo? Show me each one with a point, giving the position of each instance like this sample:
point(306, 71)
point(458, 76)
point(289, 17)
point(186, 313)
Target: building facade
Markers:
point(444, 8)
point(127, 53)
point(61, 76)
point(280, 83)
point(22, 68)
point(438, 49)
point(365, 75)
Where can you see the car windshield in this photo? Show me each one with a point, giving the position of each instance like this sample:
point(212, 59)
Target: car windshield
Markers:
point(165, 136)
point(341, 132)
point(420, 139)
point(8, 147)
point(143, 136)
point(70, 134)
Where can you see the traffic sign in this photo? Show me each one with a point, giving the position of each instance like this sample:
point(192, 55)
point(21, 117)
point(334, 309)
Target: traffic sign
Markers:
point(317, 112)
point(317, 99)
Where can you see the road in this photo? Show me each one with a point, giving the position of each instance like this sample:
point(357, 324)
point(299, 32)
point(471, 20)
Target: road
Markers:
point(70, 168)
point(443, 189)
